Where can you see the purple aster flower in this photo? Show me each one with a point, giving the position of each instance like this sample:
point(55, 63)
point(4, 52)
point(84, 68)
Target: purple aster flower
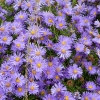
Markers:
point(48, 18)
point(49, 73)
point(5, 39)
point(19, 91)
point(79, 47)
point(18, 79)
point(28, 5)
point(60, 23)
point(86, 39)
point(34, 73)
point(16, 27)
point(16, 59)
point(39, 64)
point(8, 85)
point(68, 96)
point(18, 45)
point(63, 51)
point(91, 69)
point(64, 40)
point(38, 51)
point(21, 16)
point(75, 71)
point(33, 88)
point(34, 32)
point(94, 96)
point(86, 96)
point(58, 88)
point(49, 97)
point(90, 86)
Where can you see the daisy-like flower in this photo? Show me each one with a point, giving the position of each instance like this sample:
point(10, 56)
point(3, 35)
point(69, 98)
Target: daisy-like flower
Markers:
point(58, 88)
point(94, 96)
point(39, 64)
point(3, 48)
point(91, 69)
point(64, 40)
point(38, 51)
point(16, 59)
point(33, 88)
point(49, 97)
point(75, 71)
point(48, 18)
point(21, 16)
point(90, 86)
point(18, 79)
point(60, 23)
point(8, 85)
point(79, 47)
point(34, 32)
point(34, 73)
point(19, 91)
point(49, 73)
point(63, 51)
point(5, 39)
point(86, 96)
point(68, 96)
point(18, 45)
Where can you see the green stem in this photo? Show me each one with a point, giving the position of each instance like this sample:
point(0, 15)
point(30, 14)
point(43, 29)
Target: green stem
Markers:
point(74, 2)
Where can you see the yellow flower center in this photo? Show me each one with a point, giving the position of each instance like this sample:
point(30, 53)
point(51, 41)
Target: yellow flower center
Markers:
point(28, 4)
point(38, 53)
point(57, 77)
point(85, 38)
point(90, 87)
point(19, 89)
point(32, 32)
point(7, 67)
point(75, 71)
point(50, 64)
point(17, 80)
point(21, 16)
point(39, 65)
point(4, 39)
point(50, 20)
point(63, 51)
point(60, 14)
point(60, 24)
point(66, 98)
point(32, 88)
point(18, 45)
point(2, 29)
point(86, 98)
point(77, 49)
point(8, 85)
point(63, 42)
point(42, 93)
point(90, 68)
point(17, 59)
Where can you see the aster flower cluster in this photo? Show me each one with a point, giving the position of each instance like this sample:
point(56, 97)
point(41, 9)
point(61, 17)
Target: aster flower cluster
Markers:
point(50, 50)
